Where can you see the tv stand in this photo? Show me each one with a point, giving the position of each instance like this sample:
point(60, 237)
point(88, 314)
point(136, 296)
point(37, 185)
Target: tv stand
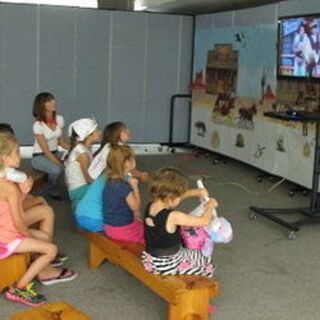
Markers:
point(311, 214)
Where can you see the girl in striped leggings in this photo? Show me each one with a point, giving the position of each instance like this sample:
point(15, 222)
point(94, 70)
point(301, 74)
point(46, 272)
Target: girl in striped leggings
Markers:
point(164, 253)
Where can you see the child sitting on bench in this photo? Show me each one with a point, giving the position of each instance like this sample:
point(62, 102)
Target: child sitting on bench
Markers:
point(16, 237)
point(164, 253)
point(121, 197)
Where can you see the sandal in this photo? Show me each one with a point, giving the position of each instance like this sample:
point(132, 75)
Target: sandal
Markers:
point(64, 276)
point(59, 260)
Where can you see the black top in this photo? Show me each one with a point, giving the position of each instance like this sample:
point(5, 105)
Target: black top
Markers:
point(159, 242)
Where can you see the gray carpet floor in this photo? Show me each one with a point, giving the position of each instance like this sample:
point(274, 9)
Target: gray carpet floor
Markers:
point(262, 274)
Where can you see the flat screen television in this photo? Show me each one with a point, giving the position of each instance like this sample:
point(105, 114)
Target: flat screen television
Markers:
point(299, 47)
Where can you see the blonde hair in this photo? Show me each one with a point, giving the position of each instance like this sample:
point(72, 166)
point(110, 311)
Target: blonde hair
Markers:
point(7, 144)
point(168, 181)
point(117, 158)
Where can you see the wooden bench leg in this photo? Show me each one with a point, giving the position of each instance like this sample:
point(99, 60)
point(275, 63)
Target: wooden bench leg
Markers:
point(12, 269)
point(96, 256)
point(193, 305)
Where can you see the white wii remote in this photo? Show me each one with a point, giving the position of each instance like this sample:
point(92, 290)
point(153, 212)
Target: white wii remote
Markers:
point(215, 223)
point(15, 175)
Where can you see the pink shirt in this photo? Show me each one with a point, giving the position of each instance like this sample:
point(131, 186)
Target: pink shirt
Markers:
point(8, 231)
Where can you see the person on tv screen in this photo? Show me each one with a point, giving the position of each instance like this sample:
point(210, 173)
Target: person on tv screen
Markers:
point(301, 49)
point(314, 67)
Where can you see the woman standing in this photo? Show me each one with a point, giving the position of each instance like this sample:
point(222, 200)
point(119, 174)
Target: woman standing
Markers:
point(47, 130)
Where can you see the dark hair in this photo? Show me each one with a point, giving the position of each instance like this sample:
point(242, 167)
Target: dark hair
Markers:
point(73, 142)
point(111, 134)
point(5, 127)
point(38, 105)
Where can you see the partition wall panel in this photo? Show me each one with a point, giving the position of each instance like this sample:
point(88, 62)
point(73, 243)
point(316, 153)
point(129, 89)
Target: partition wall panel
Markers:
point(18, 67)
point(110, 64)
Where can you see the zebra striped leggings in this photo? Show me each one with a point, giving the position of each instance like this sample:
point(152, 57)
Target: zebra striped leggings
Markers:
point(185, 261)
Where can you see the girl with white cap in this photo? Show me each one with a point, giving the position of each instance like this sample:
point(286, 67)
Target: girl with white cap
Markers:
point(83, 133)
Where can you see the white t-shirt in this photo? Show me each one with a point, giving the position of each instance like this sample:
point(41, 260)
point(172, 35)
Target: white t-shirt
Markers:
point(73, 173)
point(51, 136)
point(99, 162)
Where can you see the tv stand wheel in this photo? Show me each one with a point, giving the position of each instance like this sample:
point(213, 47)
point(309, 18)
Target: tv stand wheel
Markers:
point(291, 193)
point(252, 216)
point(292, 235)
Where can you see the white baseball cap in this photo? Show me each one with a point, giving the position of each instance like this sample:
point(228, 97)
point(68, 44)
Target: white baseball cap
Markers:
point(83, 128)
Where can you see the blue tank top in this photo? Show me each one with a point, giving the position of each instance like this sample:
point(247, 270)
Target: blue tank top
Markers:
point(116, 211)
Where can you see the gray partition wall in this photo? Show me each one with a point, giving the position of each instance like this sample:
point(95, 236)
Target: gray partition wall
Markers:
point(107, 64)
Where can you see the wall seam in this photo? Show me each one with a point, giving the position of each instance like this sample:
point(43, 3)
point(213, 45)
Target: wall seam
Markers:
point(179, 54)
point(38, 48)
point(144, 98)
point(110, 65)
point(75, 57)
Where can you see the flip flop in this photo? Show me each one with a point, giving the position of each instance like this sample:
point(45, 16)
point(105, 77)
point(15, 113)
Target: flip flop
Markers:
point(64, 276)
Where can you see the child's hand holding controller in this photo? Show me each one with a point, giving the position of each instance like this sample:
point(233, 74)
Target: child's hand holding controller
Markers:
point(211, 204)
point(133, 182)
point(26, 186)
point(203, 194)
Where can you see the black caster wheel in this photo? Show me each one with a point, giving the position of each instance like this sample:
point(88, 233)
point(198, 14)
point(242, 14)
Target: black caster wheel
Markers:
point(292, 235)
point(215, 161)
point(252, 216)
point(291, 193)
point(305, 192)
point(259, 179)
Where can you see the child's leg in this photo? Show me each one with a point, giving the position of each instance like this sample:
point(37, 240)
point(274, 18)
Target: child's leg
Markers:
point(129, 233)
point(42, 214)
point(47, 253)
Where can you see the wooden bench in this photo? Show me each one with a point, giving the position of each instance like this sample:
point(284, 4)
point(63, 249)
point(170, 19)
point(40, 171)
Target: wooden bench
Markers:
point(188, 296)
point(12, 269)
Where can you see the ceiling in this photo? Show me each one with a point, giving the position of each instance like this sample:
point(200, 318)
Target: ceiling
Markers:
point(183, 6)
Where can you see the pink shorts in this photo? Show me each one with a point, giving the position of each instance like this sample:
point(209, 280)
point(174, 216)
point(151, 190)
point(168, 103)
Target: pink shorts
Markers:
point(7, 249)
point(130, 233)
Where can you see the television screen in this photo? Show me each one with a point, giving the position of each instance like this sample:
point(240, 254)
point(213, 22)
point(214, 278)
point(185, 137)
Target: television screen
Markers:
point(299, 47)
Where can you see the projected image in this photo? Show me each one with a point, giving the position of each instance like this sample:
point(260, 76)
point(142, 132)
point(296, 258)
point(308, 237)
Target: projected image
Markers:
point(299, 47)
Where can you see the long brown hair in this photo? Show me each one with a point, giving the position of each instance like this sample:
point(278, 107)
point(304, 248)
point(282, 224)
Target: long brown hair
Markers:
point(38, 110)
point(168, 181)
point(117, 158)
point(111, 134)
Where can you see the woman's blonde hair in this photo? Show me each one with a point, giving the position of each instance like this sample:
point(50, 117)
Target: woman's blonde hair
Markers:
point(168, 181)
point(7, 144)
point(117, 158)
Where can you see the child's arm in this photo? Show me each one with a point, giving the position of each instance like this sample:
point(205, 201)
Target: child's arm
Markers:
point(199, 192)
point(177, 218)
point(25, 187)
point(63, 143)
point(133, 199)
point(84, 161)
point(13, 197)
point(31, 201)
point(143, 176)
